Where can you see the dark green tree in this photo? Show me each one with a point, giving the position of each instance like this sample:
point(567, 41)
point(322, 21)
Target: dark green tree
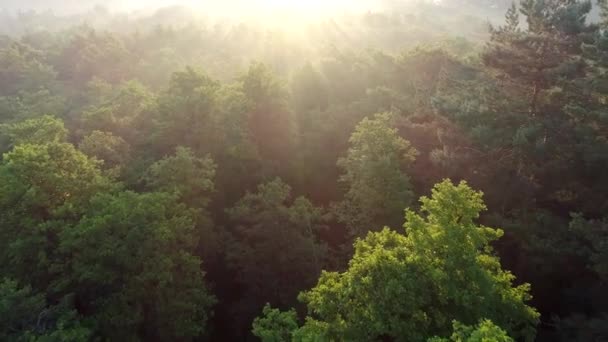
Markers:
point(275, 250)
point(131, 267)
point(191, 179)
point(27, 317)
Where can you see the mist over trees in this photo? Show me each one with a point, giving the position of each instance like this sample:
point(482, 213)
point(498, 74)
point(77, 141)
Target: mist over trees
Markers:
point(265, 171)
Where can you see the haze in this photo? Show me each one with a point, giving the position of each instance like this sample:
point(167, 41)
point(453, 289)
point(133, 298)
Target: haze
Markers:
point(319, 170)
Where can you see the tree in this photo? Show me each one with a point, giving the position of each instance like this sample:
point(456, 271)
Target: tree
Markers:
point(23, 69)
point(271, 124)
point(42, 189)
point(377, 189)
point(410, 287)
point(42, 130)
point(31, 104)
point(89, 54)
point(485, 331)
point(27, 317)
point(549, 50)
point(237, 156)
point(124, 110)
point(191, 179)
point(186, 112)
point(113, 151)
point(276, 250)
point(275, 326)
point(184, 174)
point(131, 267)
point(552, 134)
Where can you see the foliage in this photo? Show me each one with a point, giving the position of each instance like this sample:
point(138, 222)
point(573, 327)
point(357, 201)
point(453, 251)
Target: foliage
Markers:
point(23, 69)
point(113, 151)
point(275, 247)
point(40, 184)
point(26, 317)
point(485, 331)
point(132, 266)
point(377, 188)
point(138, 145)
point(42, 130)
point(270, 120)
point(122, 110)
point(191, 178)
point(410, 287)
point(275, 326)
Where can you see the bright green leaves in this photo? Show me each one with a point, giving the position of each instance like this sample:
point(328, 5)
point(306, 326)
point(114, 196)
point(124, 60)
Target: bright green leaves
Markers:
point(275, 326)
point(377, 188)
point(448, 222)
point(485, 331)
point(447, 237)
point(44, 178)
point(42, 189)
point(410, 287)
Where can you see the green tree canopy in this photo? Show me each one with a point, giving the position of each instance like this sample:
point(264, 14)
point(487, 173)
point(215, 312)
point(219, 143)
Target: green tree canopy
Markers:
point(377, 189)
point(274, 325)
point(485, 331)
point(184, 174)
point(25, 316)
point(40, 184)
point(276, 250)
point(42, 130)
point(132, 266)
point(410, 287)
point(113, 151)
point(22, 68)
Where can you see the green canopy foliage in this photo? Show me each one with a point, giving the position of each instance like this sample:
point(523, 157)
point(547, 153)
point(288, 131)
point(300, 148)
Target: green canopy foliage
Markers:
point(377, 189)
point(485, 331)
point(167, 173)
point(275, 247)
point(410, 287)
point(41, 130)
point(132, 265)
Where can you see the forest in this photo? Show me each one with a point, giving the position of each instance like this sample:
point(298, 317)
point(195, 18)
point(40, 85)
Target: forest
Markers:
point(271, 171)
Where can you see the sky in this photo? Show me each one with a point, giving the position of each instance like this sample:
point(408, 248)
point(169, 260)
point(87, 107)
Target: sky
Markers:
point(221, 6)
